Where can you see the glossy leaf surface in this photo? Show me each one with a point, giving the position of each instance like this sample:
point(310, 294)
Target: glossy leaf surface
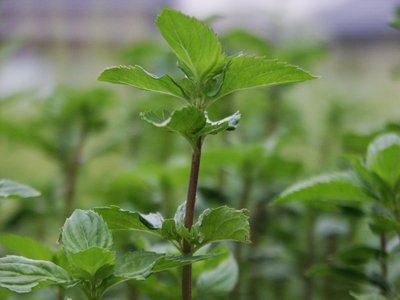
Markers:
point(85, 229)
point(334, 187)
point(244, 72)
point(197, 47)
point(139, 78)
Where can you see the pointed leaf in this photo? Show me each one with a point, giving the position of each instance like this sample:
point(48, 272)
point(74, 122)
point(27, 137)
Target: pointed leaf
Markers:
point(244, 72)
point(136, 265)
point(118, 218)
point(139, 78)
point(219, 224)
point(93, 265)
point(85, 229)
point(169, 262)
point(10, 188)
point(141, 264)
point(334, 187)
point(197, 47)
point(22, 275)
point(26, 247)
point(383, 158)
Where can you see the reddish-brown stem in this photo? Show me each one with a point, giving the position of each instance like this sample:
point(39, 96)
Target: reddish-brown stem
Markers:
point(189, 216)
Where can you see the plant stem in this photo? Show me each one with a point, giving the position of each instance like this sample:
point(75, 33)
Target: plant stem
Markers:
point(189, 216)
point(72, 173)
point(383, 262)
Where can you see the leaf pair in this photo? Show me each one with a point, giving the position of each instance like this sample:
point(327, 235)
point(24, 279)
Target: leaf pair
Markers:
point(210, 74)
point(191, 122)
point(89, 248)
point(214, 225)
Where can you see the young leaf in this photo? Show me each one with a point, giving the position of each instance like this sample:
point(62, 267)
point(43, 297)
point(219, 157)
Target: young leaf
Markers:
point(10, 188)
point(139, 78)
point(244, 72)
point(191, 122)
point(26, 247)
point(188, 122)
point(118, 218)
point(219, 224)
point(93, 265)
point(168, 262)
point(22, 275)
point(383, 158)
point(336, 187)
point(85, 229)
point(229, 123)
point(198, 49)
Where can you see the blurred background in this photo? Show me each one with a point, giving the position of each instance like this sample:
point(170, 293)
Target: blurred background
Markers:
point(82, 143)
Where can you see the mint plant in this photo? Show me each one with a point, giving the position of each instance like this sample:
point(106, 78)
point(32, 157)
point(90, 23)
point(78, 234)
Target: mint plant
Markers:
point(374, 180)
point(91, 262)
point(209, 75)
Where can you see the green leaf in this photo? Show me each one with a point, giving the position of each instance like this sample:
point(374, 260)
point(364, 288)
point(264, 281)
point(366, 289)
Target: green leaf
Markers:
point(93, 265)
point(333, 187)
point(26, 247)
point(218, 224)
point(188, 122)
point(385, 225)
point(244, 72)
point(229, 123)
point(383, 158)
point(367, 297)
point(22, 275)
point(10, 188)
point(139, 78)
point(141, 264)
point(191, 122)
point(198, 49)
point(118, 218)
point(219, 275)
point(169, 261)
point(359, 254)
point(136, 265)
point(85, 229)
